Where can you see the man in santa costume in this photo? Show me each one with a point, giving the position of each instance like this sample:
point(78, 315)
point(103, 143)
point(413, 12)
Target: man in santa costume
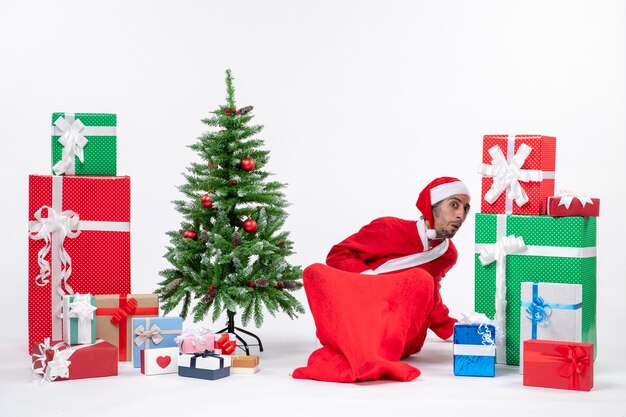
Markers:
point(393, 271)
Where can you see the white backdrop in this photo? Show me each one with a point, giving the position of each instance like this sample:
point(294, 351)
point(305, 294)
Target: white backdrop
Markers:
point(363, 103)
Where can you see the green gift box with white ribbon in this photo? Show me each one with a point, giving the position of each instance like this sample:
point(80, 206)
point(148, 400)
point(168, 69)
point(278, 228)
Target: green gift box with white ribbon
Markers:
point(79, 319)
point(511, 249)
point(84, 144)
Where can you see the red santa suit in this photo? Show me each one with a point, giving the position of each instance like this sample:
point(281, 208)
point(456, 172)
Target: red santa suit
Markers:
point(379, 293)
point(390, 245)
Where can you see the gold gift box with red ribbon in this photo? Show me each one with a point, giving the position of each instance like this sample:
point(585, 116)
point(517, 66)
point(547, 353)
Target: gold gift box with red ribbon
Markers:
point(114, 316)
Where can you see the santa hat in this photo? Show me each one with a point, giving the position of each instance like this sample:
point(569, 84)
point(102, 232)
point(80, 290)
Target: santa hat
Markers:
point(439, 189)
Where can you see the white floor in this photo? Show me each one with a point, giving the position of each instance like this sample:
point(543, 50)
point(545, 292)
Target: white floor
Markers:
point(273, 392)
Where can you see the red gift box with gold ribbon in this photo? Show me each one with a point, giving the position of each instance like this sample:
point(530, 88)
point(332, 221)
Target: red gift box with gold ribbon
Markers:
point(558, 364)
point(114, 316)
point(79, 242)
point(518, 173)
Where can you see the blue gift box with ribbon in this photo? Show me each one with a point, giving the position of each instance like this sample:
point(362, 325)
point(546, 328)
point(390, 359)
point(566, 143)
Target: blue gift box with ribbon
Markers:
point(206, 365)
point(474, 349)
point(550, 311)
point(154, 332)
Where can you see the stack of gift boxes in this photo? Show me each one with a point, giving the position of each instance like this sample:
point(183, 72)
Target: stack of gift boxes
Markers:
point(535, 264)
point(82, 317)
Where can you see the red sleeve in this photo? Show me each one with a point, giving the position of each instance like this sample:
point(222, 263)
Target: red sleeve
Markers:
point(439, 320)
point(379, 239)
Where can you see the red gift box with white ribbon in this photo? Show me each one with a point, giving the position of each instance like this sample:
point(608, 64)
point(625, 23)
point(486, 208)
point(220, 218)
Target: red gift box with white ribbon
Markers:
point(79, 229)
point(572, 203)
point(225, 343)
point(558, 364)
point(58, 361)
point(518, 173)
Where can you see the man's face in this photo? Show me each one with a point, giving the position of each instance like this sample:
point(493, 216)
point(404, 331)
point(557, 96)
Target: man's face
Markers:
point(450, 214)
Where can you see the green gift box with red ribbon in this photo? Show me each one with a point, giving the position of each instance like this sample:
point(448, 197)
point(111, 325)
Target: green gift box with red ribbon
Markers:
point(114, 316)
point(511, 249)
point(84, 144)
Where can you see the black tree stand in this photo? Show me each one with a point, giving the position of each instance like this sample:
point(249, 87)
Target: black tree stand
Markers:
point(230, 328)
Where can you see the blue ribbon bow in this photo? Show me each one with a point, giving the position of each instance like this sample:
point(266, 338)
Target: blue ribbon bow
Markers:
point(538, 310)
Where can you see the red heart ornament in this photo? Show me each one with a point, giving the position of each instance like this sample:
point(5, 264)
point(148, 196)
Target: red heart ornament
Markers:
point(163, 361)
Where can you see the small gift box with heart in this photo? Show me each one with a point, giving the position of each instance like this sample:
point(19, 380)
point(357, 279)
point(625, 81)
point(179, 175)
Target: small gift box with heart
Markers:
point(204, 365)
point(474, 349)
point(79, 321)
point(154, 332)
point(159, 361)
point(558, 364)
point(194, 340)
point(572, 203)
point(58, 361)
point(84, 144)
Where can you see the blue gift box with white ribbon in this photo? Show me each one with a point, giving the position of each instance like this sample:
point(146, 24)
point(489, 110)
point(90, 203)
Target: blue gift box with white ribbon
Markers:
point(474, 349)
point(550, 311)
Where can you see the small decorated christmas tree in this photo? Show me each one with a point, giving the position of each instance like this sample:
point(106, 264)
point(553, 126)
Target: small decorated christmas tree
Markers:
point(230, 253)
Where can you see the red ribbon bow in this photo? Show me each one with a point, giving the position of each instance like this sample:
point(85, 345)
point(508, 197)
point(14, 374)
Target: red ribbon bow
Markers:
point(576, 360)
point(123, 312)
point(228, 346)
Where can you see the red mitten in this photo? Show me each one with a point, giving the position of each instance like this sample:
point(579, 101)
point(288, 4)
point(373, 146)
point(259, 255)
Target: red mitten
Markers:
point(365, 323)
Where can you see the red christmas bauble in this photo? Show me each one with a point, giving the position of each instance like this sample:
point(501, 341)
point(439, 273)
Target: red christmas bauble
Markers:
point(206, 201)
point(247, 164)
point(227, 111)
point(211, 287)
point(249, 225)
point(234, 110)
point(190, 234)
point(251, 284)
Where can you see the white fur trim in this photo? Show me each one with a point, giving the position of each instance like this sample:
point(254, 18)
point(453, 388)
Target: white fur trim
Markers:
point(443, 191)
point(422, 231)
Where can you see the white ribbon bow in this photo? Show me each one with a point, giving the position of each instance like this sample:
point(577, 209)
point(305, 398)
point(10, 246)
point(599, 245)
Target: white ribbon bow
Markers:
point(58, 367)
point(482, 320)
point(497, 253)
point(567, 196)
point(154, 333)
point(65, 224)
point(509, 174)
point(81, 308)
point(73, 143)
point(474, 317)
